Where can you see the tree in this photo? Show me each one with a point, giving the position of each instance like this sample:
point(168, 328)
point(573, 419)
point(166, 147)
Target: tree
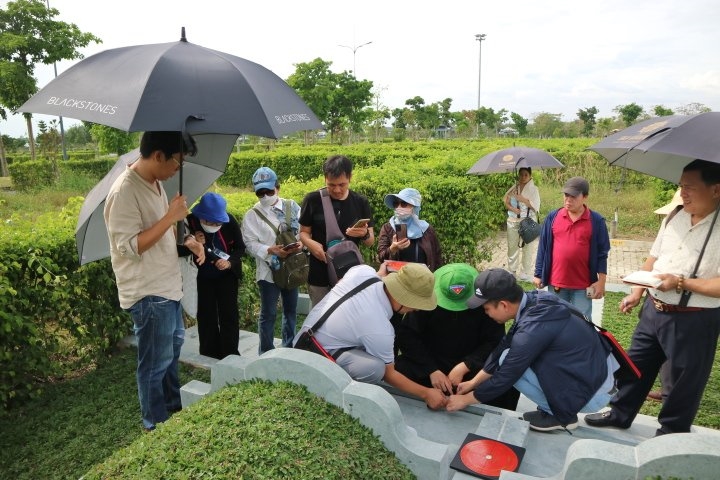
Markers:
point(378, 113)
point(112, 140)
point(587, 116)
point(693, 108)
point(661, 111)
point(604, 126)
point(547, 124)
point(490, 118)
point(78, 135)
point(629, 113)
point(49, 142)
point(338, 99)
point(29, 35)
point(521, 123)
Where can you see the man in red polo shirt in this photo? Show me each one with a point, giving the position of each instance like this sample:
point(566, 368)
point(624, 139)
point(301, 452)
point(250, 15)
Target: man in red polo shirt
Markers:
point(573, 249)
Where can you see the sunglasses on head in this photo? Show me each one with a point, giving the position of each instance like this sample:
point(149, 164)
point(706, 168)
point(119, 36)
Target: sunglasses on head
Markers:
point(264, 193)
point(400, 203)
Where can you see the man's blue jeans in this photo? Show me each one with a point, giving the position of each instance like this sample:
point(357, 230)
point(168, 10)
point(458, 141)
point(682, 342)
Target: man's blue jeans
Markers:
point(160, 333)
point(529, 385)
point(578, 298)
point(269, 294)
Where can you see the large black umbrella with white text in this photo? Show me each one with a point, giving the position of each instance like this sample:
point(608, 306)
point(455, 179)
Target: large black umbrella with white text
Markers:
point(160, 86)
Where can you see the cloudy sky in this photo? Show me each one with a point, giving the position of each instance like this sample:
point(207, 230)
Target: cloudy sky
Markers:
point(538, 56)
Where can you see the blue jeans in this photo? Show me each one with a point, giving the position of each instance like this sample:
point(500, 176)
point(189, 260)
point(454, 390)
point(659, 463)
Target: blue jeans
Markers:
point(578, 298)
point(160, 332)
point(529, 385)
point(269, 294)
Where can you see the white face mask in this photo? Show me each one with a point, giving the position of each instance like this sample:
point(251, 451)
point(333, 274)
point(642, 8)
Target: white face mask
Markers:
point(268, 201)
point(403, 212)
point(210, 228)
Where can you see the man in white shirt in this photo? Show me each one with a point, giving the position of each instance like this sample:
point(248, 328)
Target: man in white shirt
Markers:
point(359, 335)
point(680, 319)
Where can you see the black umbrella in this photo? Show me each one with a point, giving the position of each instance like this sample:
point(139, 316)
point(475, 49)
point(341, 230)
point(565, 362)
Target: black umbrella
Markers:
point(201, 171)
point(512, 159)
point(159, 86)
point(662, 146)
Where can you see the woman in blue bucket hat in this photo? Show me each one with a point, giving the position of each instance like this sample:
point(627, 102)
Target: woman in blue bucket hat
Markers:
point(219, 277)
point(405, 237)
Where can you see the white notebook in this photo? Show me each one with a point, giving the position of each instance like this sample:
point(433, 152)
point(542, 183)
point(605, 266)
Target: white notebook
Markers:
point(644, 278)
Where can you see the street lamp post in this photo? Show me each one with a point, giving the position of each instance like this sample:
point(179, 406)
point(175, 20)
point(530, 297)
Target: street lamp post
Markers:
point(479, 37)
point(355, 49)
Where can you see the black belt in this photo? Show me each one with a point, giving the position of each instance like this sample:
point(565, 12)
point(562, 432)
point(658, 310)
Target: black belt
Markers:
point(661, 306)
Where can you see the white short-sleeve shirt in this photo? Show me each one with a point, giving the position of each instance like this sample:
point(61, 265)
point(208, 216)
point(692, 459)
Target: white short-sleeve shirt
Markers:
point(677, 249)
point(361, 321)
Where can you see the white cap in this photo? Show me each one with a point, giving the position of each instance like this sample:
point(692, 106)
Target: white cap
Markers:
point(676, 200)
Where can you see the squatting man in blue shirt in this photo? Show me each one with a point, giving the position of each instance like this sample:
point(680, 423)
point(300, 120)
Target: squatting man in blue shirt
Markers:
point(550, 354)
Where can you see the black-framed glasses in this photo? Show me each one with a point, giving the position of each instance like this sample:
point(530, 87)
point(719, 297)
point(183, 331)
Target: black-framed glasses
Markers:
point(400, 203)
point(264, 193)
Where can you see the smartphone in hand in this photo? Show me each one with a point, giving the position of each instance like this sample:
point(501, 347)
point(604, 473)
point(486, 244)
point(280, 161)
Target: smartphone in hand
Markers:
point(291, 246)
point(400, 231)
point(362, 223)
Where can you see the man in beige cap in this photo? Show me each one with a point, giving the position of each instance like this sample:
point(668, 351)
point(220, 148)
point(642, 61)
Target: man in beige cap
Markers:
point(358, 333)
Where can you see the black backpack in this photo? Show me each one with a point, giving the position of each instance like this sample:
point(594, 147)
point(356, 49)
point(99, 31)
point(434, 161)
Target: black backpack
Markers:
point(294, 268)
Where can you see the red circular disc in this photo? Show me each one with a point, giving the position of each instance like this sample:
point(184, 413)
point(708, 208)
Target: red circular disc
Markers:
point(488, 457)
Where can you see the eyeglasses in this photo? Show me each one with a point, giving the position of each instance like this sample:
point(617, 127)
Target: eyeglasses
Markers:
point(179, 162)
point(264, 193)
point(400, 203)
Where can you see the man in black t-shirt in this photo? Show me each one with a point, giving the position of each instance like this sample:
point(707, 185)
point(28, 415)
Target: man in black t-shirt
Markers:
point(348, 207)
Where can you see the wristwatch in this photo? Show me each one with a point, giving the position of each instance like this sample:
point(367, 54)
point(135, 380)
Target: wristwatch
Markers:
point(367, 234)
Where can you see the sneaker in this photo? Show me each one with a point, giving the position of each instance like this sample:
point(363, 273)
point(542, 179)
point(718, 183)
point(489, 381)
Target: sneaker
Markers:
point(542, 421)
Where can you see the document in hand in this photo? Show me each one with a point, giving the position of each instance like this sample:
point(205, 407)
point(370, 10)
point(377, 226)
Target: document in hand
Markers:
point(644, 278)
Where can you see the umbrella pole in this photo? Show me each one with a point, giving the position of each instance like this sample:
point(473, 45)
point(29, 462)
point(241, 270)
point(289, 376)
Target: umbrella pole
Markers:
point(181, 224)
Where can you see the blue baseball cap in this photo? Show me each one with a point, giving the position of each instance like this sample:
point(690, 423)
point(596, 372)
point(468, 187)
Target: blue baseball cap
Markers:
point(264, 178)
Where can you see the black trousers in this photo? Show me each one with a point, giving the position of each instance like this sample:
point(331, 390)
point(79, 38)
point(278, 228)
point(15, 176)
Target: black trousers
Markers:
point(688, 340)
point(218, 318)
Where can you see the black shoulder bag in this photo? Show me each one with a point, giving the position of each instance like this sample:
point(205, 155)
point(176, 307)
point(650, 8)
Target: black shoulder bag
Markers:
point(307, 340)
